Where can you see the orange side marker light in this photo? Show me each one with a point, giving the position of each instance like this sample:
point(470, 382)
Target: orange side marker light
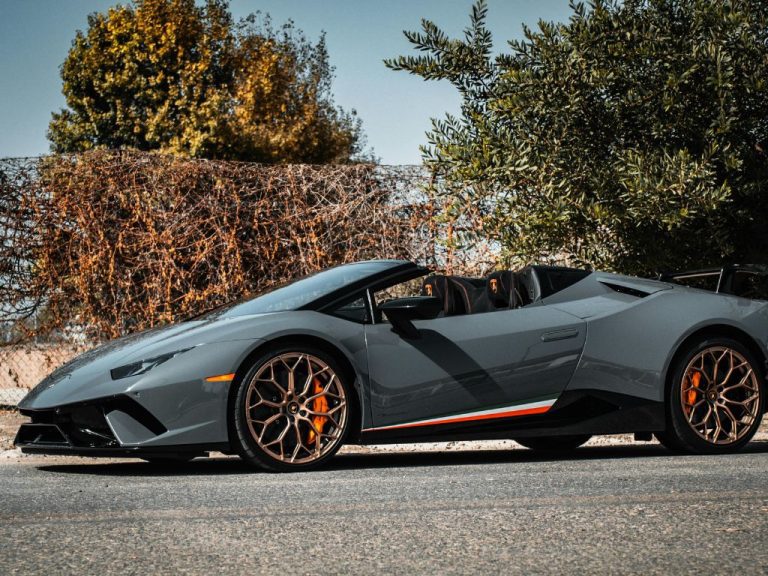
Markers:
point(221, 378)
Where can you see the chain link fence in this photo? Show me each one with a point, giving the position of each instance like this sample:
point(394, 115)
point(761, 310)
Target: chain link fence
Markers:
point(23, 366)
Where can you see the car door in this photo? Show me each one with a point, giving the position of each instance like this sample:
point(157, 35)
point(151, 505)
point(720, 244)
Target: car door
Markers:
point(471, 368)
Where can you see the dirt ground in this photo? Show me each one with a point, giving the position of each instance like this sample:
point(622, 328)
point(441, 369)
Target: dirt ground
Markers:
point(10, 420)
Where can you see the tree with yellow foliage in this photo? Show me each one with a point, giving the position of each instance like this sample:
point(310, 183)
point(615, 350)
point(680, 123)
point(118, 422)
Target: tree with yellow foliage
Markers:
point(172, 76)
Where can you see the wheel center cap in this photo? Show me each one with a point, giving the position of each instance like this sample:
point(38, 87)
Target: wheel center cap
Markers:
point(293, 407)
point(712, 395)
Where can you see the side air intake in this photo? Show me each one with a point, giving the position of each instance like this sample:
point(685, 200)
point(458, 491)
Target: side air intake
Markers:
point(625, 289)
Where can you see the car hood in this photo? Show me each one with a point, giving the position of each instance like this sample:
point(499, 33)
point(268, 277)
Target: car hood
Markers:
point(94, 365)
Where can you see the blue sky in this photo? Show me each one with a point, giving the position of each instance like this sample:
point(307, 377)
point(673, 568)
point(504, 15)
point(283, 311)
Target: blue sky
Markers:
point(395, 107)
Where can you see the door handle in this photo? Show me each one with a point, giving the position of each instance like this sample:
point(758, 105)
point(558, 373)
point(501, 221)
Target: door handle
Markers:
point(559, 335)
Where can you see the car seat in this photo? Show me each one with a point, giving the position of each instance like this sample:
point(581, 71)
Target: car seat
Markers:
point(439, 287)
point(472, 293)
point(501, 289)
point(459, 295)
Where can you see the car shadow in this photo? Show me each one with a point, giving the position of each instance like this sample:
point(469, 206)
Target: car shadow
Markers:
point(382, 460)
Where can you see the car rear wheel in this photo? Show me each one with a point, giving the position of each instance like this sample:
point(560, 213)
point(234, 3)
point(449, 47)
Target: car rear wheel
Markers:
point(715, 398)
point(291, 410)
point(554, 443)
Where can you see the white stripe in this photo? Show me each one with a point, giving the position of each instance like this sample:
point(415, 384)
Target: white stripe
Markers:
point(515, 407)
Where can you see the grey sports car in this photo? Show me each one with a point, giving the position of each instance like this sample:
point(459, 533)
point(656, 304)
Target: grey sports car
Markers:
point(383, 351)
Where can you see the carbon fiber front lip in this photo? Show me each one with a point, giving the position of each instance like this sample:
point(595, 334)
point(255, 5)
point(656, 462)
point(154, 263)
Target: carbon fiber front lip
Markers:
point(121, 451)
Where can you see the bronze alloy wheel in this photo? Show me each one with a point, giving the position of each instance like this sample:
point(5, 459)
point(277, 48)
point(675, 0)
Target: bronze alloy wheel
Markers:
point(720, 395)
point(295, 408)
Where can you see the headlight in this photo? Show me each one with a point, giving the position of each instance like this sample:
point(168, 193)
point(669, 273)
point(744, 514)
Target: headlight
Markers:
point(143, 366)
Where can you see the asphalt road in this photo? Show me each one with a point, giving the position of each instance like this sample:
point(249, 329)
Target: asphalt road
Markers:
point(627, 509)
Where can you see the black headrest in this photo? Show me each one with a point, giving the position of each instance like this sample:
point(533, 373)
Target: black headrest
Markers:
point(436, 286)
point(439, 287)
point(459, 295)
point(500, 286)
point(529, 287)
point(469, 294)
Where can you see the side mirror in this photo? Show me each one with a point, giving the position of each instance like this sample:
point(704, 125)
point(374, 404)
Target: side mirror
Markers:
point(402, 311)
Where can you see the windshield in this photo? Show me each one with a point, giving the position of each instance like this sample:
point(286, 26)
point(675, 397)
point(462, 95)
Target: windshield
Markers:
point(299, 293)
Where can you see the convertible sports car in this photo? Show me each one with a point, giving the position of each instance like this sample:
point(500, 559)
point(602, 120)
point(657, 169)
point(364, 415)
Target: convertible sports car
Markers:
point(382, 351)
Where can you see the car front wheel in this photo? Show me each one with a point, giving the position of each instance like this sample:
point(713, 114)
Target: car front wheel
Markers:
point(291, 410)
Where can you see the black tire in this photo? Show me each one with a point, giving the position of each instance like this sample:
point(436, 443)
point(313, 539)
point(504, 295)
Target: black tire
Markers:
point(298, 416)
point(669, 441)
point(705, 414)
point(554, 443)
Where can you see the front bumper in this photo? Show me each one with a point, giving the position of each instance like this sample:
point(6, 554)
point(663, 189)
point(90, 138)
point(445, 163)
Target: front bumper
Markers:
point(64, 449)
point(88, 429)
point(29, 440)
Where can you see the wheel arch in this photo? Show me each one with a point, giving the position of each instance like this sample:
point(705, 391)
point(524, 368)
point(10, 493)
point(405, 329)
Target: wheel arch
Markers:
point(356, 414)
point(714, 331)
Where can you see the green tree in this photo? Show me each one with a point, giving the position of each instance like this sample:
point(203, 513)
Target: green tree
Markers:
point(173, 76)
point(631, 137)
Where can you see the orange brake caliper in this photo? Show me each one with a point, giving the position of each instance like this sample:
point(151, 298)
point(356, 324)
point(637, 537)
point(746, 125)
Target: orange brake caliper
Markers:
point(690, 396)
point(319, 404)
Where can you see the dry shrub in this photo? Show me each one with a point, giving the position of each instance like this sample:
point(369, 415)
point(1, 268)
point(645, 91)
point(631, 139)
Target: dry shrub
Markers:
point(99, 244)
point(120, 241)
point(19, 238)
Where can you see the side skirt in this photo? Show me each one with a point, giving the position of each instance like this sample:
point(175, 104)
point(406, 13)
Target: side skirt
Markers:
point(575, 412)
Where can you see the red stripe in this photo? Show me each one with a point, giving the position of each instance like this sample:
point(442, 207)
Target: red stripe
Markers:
point(523, 412)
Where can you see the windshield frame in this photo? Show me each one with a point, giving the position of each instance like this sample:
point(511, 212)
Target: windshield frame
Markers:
point(389, 269)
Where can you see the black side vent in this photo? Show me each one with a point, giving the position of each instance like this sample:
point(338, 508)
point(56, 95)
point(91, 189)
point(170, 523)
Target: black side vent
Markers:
point(625, 290)
point(41, 434)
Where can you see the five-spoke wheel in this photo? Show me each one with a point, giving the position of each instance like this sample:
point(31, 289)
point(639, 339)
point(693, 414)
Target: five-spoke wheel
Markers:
point(292, 410)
